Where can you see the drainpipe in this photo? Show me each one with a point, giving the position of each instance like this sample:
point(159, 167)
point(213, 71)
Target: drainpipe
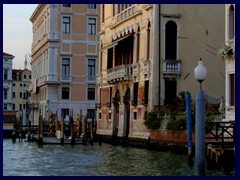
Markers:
point(155, 34)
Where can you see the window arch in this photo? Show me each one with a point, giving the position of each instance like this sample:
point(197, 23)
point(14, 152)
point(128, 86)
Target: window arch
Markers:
point(171, 40)
point(231, 24)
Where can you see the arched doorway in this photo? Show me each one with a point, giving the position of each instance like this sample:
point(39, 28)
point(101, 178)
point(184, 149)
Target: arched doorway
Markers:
point(116, 100)
point(126, 100)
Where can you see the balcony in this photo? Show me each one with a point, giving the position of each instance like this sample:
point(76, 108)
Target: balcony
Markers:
point(172, 67)
point(146, 67)
point(66, 78)
point(119, 73)
point(136, 70)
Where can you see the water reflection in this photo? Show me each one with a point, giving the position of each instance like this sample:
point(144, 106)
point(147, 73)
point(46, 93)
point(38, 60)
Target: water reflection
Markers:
point(26, 159)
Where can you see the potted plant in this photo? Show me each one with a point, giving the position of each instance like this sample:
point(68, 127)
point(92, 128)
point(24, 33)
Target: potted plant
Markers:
point(227, 52)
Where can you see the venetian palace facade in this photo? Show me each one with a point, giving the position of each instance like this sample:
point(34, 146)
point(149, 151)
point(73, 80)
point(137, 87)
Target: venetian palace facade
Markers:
point(230, 62)
point(147, 55)
point(64, 59)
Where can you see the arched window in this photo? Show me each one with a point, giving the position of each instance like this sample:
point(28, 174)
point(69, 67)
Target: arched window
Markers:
point(148, 39)
point(231, 25)
point(171, 40)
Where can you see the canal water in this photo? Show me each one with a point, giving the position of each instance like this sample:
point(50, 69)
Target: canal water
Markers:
point(27, 159)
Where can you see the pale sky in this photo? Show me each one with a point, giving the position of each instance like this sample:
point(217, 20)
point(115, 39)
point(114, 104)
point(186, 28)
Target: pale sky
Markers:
point(17, 31)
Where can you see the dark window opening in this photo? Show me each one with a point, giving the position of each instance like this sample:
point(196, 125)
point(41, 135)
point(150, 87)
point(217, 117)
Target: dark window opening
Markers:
point(138, 44)
point(103, 13)
point(65, 93)
point(171, 41)
point(90, 113)
point(135, 115)
point(67, 5)
point(91, 93)
point(123, 53)
point(231, 26)
point(146, 92)
point(110, 58)
point(148, 40)
point(91, 6)
point(64, 113)
point(100, 115)
point(135, 93)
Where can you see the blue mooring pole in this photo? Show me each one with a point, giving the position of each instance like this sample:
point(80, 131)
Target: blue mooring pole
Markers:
point(200, 132)
point(189, 128)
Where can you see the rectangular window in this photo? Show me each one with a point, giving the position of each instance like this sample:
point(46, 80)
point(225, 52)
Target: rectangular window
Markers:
point(5, 93)
point(109, 115)
point(103, 13)
point(66, 69)
point(64, 113)
point(91, 26)
point(90, 113)
point(135, 115)
point(91, 69)
point(24, 106)
point(146, 91)
point(100, 115)
point(135, 92)
point(91, 6)
point(65, 92)
point(20, 95)
point(91, 93)
point(29, 76)
point(67, 5)
point(66, 25)
point(110, 59)
point(232, 90)
point(13, 94)
point(5, 74)
point(20, 84)
point(20, 107)
point(24, 76)
point(13, 106)
point(13, 84)
point(5, 106)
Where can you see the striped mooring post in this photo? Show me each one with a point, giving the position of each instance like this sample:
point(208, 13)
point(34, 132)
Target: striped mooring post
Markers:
point(51, 125)
point(78, 126)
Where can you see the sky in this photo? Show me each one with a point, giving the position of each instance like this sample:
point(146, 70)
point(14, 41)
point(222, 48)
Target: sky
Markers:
point(17, 31)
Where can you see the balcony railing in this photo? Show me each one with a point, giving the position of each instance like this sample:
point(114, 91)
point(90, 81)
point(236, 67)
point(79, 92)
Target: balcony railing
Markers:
point(172, 67)
point(119, 73)
point(66, 78)
point(136, 70)
point(146, 67)
point(126, 13)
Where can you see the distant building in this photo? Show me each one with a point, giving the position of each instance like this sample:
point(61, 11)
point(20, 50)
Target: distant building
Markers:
point(147, 56)
point(64, 59)
point(230, 62)
point(7, 81)
point(21, 82)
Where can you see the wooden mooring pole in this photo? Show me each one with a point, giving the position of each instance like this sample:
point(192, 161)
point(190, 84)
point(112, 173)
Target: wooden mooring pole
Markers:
point(62, 130)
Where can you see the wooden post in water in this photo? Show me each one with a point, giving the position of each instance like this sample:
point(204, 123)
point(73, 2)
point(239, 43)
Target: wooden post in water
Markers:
point(62, 130)
point(29, 131)
point(78, 126)
point(14, 132)
point(56, 125)
point(84, 138)
point(72, 131)
point(40, 129)
point(92, 126)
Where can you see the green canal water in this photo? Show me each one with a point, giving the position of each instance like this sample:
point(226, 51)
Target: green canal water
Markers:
point(27, 159)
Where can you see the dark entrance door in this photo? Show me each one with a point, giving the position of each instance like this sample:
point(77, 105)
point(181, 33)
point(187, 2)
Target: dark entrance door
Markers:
point(170, 91)
point(127, 113)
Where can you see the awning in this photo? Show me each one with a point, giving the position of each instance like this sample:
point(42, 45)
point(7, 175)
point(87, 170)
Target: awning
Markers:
point(114, 43)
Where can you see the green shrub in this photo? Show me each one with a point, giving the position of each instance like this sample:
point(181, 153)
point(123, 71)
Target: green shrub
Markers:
point(153, 120)
point(177, 122)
